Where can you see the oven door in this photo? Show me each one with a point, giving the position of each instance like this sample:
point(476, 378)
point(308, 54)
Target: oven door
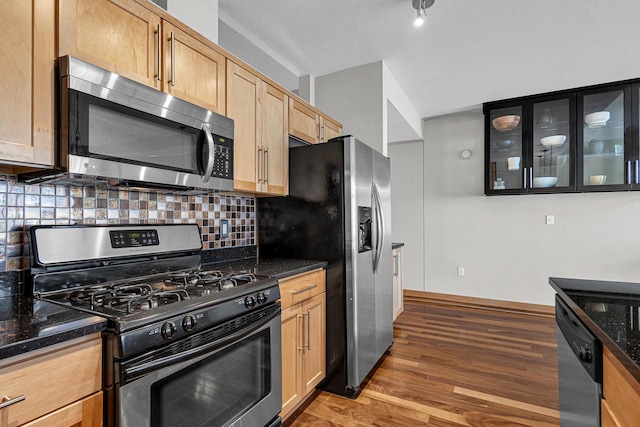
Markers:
point(231, 381)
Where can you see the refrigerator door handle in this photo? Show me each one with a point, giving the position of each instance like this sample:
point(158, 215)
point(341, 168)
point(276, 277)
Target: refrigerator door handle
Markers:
point(379, 227)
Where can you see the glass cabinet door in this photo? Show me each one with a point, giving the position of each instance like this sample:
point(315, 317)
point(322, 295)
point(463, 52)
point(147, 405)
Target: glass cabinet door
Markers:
point(505, 150)
point(602, 124)
point(552, 146)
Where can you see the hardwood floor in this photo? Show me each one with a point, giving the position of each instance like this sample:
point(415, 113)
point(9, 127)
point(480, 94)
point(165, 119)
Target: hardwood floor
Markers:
point(454, 366)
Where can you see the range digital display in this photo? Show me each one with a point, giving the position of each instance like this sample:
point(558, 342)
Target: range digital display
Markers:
point(134, 238)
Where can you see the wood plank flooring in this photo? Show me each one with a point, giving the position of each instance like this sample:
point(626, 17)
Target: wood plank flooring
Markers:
point(453, 366)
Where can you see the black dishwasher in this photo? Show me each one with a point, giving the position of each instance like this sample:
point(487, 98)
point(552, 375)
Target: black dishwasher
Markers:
point(579, 370)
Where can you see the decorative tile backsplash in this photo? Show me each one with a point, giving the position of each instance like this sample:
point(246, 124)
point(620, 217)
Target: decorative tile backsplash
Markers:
point(22, 206)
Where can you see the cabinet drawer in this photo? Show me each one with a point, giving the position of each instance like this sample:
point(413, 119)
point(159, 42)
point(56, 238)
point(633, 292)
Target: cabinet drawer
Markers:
point(84, 413)
point(50, 380)
point(301, 287)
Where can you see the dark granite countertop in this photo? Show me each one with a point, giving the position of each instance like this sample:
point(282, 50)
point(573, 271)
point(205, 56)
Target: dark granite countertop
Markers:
point(396, 245)
point(275, 267)
point(611, 310)
point(27, 325)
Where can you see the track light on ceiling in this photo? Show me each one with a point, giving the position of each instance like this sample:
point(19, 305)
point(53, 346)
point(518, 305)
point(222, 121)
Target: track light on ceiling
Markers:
point(421, 6)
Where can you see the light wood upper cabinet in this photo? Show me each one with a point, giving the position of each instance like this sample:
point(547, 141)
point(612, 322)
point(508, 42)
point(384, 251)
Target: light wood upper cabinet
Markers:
point(307, 124)
point(127, 38)
point(303, 122)
point(118, 35)
point(27, 86)
point(192, 70)
point(259, 112)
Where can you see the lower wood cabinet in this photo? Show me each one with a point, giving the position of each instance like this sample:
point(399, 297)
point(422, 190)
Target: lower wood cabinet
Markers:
point(303, 337)
point(398, 304)
point(60, 384)
point(621, 403)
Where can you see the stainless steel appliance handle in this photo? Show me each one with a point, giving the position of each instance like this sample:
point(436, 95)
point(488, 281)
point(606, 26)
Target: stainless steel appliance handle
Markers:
point(158, 51)
point(8, 401)
point(308, 288)
point(208, 171)
point(629, 171)
point(379, 243)
point(525, 177)
point(260, 169)
point(637, 170)
point(172, 39)
point(133, 372)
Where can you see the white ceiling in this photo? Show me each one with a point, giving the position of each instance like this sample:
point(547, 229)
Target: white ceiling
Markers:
point(468, 52)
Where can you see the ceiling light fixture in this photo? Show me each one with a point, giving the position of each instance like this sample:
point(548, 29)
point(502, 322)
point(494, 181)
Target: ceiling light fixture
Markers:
point(421, 6)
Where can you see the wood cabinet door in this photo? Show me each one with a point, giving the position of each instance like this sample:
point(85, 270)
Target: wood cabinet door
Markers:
point(398, 305)
point(330, 129)
point(27, 86)
point(275, 140)
point(243, 108)
point(303, 122)
point(291, 357)
point(118, 35)
point(314, 364)
point(193, 71)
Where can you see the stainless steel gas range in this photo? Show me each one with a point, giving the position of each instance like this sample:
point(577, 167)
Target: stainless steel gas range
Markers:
point(185, 346)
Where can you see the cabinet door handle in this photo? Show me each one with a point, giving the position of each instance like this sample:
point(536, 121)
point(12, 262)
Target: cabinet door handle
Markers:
point(300, 340)
point(629, 172)
point(395, 265)
point(308, 334)
point(172, 39)
point(531, 177)
point(637, 170)
point(7, 401)
point(267, 164)
point(300, 291)
point(525, 177)
point(319, 139)
point(260, 173)
point(158, 50)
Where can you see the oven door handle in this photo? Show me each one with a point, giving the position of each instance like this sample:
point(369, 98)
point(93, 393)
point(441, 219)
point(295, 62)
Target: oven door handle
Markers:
point(136, 371)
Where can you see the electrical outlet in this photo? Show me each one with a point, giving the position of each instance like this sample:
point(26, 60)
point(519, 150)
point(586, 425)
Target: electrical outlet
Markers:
point(460, 271)
point(224, 228)
point(549, 220)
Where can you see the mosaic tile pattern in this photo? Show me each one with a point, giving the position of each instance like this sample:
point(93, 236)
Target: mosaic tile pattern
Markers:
point(22, 206)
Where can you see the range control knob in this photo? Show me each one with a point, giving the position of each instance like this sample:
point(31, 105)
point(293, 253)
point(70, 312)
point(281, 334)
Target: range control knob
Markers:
point(584, 354)
point(249, 301)
point(168, 330)
point(189, 323)
point(262, 298)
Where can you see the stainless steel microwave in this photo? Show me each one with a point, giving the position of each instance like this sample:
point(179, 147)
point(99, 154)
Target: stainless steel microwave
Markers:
point(120, 132)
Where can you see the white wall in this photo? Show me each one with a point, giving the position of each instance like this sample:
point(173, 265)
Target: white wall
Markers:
point(201, 15)
point(502, 241)
point(407, 208)
point(243, 48)
point(354, 98)
point(410, 123)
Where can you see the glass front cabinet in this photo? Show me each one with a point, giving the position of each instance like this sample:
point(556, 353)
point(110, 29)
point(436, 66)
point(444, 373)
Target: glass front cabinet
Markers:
point(530, 146)
point(580, 140)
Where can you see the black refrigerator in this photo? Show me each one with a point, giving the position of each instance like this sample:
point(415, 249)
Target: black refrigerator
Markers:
point(338, 210)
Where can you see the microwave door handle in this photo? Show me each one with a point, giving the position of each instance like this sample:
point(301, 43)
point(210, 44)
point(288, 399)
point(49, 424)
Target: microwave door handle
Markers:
point(208, 170)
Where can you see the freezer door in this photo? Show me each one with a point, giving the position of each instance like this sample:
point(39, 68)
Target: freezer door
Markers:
point(362, 352)
point(382, 241)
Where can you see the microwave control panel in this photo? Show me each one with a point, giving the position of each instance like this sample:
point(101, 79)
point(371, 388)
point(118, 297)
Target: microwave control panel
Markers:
point(223, 158)
point(133, 238)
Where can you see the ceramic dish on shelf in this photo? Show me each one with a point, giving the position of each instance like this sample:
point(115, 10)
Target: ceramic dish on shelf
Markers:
point(597, 179)
point(597, 119)
point(553, 141)
point(505, 123)
point(544, 181)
